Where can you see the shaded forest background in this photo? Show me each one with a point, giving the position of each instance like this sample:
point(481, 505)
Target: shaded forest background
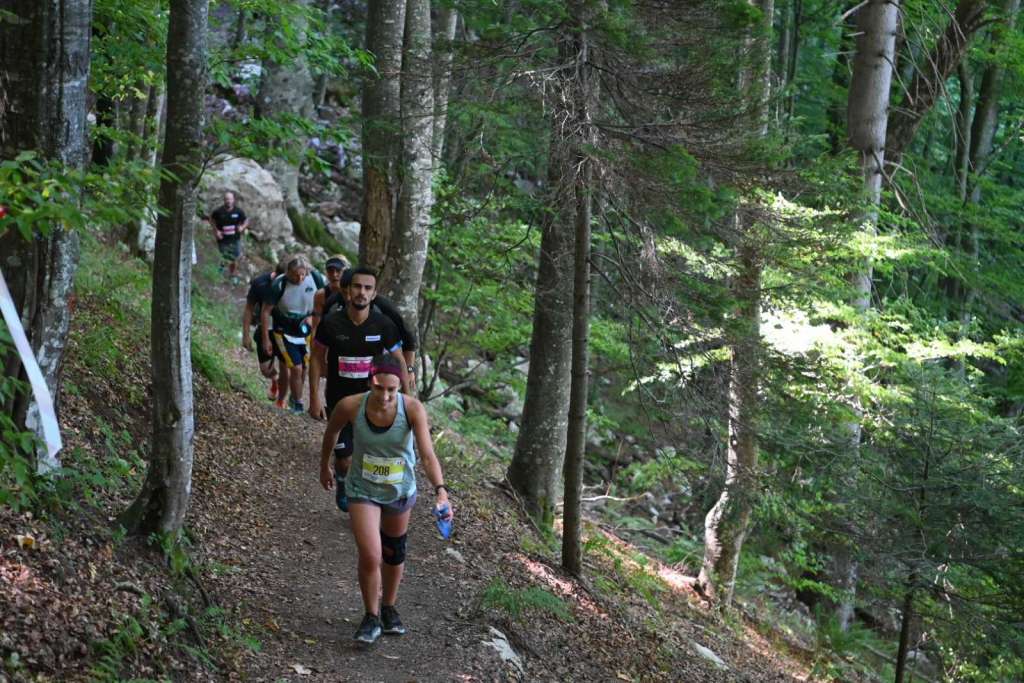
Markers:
point(740, 281)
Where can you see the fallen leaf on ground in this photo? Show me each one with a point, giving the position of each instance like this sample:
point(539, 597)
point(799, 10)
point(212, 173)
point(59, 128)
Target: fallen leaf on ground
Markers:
point(301, 670)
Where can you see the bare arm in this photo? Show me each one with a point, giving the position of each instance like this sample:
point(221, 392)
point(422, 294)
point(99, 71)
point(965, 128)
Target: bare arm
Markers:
point(317, 364)
point(425, 446)
point(265, 327)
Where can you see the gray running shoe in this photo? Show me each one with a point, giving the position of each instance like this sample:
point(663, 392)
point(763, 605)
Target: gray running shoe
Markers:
point(369, 631)
point(390, 621)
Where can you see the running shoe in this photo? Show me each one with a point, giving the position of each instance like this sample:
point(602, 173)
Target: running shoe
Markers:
point(272, 392)
point(280, 403)
point(390, 621)
point(369, 631)
point(297, 408)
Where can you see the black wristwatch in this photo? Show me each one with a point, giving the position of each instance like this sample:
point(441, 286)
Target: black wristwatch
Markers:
point(437, 489)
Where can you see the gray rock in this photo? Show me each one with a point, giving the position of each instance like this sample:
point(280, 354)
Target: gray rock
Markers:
point(501, 645)
point(710, 656)
point(346, 232)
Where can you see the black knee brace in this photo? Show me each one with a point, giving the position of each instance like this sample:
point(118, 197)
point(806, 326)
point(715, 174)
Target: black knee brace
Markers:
point(392, 549)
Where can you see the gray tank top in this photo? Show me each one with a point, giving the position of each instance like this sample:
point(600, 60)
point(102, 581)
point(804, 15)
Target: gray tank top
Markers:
point(383, 462)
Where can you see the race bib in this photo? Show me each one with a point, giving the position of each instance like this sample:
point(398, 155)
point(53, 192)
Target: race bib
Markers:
point(228, 229)
point(380, 470)
point(354, 367)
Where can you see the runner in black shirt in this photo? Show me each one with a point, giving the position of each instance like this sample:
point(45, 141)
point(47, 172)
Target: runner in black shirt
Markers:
point(229, 222)
point(346, 341)
point(384, 305)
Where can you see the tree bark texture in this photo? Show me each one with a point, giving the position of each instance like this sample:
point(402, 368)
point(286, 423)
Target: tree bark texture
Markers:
point(931, 74)
point(43, 91)
point(867, 114)
point(163, 501)
point(964, 117)
point(407, 250)
point(536, 468)
point(288, 89)
point(385, 27)
point(867, 124)
point(727, 523)
point(585, 94)
point(444, 37)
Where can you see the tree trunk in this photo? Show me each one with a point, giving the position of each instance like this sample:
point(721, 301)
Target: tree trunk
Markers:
point(163, 501)
point(585, 94)
point(867, 122)
point(407, 251)
point(930, 78)
point(963, 129)
point(727, 523)
point(983, 131)
point(287, 89)
point(385, 26)
point(536, 468)
point(444, 36)
point(43, 107)
point(906, 621)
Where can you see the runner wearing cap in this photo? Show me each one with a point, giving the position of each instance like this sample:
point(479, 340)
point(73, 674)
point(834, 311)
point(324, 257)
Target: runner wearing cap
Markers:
point(381, 485)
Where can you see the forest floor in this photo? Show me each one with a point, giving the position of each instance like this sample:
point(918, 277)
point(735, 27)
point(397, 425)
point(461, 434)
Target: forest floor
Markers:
point(265, 589)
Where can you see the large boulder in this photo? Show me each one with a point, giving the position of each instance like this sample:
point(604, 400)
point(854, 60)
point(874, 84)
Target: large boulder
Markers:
point(257, 193)
point(346, 232)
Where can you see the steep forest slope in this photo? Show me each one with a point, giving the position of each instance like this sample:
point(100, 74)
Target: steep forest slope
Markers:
point(264, 587)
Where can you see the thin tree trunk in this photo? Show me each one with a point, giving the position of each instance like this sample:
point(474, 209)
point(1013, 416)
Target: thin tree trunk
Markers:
point(287, 89)
point(963, 128)
point(983, 131)
point(385, 26)
point(536, 468)
point(407, 253)
point(585, 89)
point(727, 523)
point(867, 122)
point(906, 621)
point(163, 502)
point(444, 37)
point(43, 107)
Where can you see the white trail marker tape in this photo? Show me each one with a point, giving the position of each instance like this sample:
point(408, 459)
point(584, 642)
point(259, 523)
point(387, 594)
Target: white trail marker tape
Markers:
point(47, 415)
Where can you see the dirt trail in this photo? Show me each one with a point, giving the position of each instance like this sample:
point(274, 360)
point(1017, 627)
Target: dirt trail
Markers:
point(307, 583)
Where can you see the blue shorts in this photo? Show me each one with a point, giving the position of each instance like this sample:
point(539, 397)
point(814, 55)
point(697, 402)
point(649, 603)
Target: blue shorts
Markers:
point(387, 509)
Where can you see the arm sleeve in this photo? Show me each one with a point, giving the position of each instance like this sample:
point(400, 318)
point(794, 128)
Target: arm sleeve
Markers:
point(406, 334)
point(241, 217)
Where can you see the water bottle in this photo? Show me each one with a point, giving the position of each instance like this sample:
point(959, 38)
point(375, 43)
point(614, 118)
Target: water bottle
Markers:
point(444, 526)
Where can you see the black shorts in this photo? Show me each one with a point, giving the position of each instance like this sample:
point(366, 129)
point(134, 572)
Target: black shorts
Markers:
point(230, 249)
point(257, 338)
point(343, 449)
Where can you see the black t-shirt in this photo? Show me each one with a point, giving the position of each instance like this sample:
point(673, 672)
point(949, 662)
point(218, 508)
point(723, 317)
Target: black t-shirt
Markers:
point(350, 348)
point(259, 290)
point(229, 222)
point(383, 305)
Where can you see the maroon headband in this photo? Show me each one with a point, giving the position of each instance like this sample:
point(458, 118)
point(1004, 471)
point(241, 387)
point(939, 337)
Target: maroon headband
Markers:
point(387, 367)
